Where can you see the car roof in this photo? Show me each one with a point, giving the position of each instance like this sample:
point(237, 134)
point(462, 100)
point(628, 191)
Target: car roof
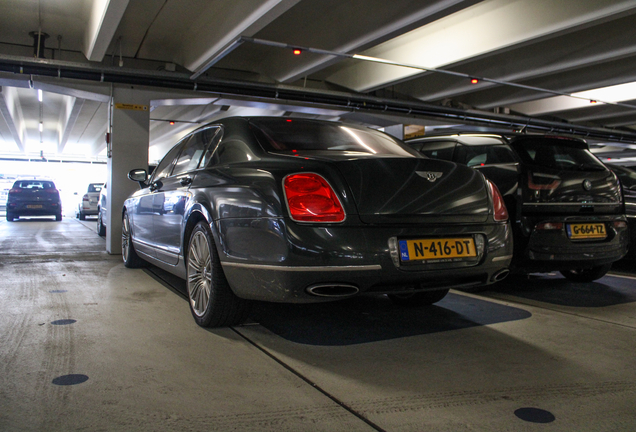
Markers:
point(466, 139)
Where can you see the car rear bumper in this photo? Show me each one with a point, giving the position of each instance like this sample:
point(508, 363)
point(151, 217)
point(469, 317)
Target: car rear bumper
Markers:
point(548, 250)
point(271, 261)
point(32, 209)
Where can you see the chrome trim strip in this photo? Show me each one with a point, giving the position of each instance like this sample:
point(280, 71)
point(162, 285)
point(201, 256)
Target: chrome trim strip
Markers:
point(302, 268)
point(572, 204)
point(502, 258)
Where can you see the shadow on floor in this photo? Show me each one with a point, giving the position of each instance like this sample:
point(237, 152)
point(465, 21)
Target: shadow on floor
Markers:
point(556, 290)
point(366, 318)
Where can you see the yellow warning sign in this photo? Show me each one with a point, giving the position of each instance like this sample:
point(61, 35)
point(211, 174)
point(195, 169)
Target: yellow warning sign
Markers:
point(131, 107)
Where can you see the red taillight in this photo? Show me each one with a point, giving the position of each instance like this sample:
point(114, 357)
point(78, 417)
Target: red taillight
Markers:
point(85, 198)
point(311, 199)
point(15, 190)
point(51, 190)
point(500, 211)
point(549, 226)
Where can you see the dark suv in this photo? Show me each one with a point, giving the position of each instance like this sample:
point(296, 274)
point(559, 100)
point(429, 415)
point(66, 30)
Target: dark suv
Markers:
point(33, 198)
point(566, 206)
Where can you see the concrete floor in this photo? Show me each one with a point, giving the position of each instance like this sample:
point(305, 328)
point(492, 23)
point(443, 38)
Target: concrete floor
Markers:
point(86, 344)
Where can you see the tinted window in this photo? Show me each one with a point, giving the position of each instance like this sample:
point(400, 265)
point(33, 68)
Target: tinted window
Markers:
point(165, 166)
point(215, 133)
point(285, 135)
point(192, 151)
point(439, 149)
point(94, 187)
point(33, 184)
point(485, 155)
point(557, 154)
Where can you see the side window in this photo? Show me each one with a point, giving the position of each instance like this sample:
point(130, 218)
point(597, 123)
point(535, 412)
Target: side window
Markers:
point(499, 154)
point(484, 155)
point(214, 136)
point(192, 151)
point(439, 150)
point(165, 166)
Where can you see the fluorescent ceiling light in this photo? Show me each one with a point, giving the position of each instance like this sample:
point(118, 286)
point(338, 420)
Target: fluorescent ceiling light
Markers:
point(615, 93)
point(41, 126)
point(40, 95)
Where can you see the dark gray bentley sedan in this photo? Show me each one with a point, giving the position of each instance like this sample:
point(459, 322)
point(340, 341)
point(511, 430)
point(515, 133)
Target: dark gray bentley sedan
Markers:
point(291, 210)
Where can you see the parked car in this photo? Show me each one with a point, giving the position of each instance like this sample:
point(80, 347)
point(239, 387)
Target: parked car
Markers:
point(88, 205)
point(303, 211)
point(33, 198)
point(565, 205)
point(627, 176)
point(101, 211)
point(5, 185)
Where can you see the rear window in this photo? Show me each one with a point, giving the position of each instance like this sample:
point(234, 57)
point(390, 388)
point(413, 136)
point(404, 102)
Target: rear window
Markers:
point(485, 155)
point(557, 154)
point(286, 135)
point(33, 184)
point(94, 187)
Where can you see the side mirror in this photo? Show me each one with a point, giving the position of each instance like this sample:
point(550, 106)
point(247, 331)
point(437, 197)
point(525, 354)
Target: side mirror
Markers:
point(140, 176)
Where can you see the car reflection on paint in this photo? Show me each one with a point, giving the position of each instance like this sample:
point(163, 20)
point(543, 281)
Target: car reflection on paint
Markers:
point(306, 211)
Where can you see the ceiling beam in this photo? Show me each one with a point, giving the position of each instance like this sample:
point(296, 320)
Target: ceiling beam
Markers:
point(429, 10)
point(489, 26)
point(200, 50)
point(68, 118)
point(103, 20)
point(10, 109)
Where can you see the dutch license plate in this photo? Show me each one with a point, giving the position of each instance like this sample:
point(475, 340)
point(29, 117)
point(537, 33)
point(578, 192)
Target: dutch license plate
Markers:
point(34, 206)
point(435, 249)
point(587, 231)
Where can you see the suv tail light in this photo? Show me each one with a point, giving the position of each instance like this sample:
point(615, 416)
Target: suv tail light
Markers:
point(549, 226)
point(311, 199)
point(85, 198)
point(500, 211)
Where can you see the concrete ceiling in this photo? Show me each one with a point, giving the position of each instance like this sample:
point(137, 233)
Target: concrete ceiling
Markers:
point(530, 57)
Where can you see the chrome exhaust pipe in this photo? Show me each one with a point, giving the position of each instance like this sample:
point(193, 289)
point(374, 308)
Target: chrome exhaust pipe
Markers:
point(500, 275)
point(333, 290)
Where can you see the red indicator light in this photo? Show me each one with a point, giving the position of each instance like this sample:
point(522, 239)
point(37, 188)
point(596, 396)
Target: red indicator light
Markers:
point(297, 51)
point(593, 101)
point(474, 81)
point(171, 122)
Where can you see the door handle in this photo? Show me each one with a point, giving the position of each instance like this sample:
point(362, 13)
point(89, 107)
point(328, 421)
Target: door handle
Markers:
point(185, 181)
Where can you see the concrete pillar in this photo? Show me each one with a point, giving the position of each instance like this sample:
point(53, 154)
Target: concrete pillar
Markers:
point(129, 150)
point(396, 131)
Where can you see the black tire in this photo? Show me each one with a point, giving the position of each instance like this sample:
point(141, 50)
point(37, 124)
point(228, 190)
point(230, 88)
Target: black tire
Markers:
point(10, 217)
point(58, 217)
point(425, 298)
point(586, 275)
point(128, 253)
point(82, 216)
point(212, 302)
point(101, 228)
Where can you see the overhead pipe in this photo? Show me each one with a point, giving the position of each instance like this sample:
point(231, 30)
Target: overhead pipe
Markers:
point(340, 100)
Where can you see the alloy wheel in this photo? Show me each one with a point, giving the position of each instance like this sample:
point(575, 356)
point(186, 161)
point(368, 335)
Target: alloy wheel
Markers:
point(199, 273)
